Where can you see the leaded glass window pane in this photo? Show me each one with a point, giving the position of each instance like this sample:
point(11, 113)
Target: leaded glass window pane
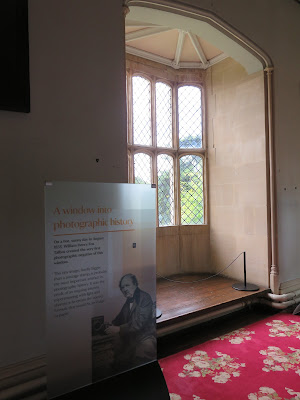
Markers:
point(165, 189)
point(142, 168)
point(190, 117)
point(191, 190)
point(163, 115)
point(141, 105)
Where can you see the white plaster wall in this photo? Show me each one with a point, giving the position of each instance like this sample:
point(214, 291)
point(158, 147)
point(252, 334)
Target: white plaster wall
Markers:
point(77, 114)
point(237, 171)
point(274, 26)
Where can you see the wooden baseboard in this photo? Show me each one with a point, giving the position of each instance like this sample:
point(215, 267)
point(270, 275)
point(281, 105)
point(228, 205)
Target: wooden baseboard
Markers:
point(25, 380)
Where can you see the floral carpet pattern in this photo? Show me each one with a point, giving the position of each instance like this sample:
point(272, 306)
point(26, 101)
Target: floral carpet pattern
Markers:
point(238, 336)
point(221, 368)
point(259, 362)
point(281, 329)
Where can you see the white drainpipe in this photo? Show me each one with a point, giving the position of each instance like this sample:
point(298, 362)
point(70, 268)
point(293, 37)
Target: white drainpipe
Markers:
point(282, 301)
point(284, 297)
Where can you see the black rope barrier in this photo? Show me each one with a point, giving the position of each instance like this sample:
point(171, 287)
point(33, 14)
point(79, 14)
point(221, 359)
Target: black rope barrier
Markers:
point(200, 280)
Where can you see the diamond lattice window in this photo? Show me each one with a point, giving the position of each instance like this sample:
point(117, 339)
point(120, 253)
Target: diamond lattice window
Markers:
point(163, 115)
point(165, 189)
point(191, 190)
point(141, 96)
point(142, 168)
point(165, 144)
point(189, 117)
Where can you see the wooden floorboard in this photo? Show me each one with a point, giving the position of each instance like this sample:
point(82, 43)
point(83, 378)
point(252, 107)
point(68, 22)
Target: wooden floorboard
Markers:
point(182, 301)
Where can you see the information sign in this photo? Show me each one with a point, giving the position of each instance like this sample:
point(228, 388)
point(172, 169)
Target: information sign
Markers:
point(100, 281)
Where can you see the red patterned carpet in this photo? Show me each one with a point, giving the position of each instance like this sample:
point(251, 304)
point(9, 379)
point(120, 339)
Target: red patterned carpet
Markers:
point(260, 361)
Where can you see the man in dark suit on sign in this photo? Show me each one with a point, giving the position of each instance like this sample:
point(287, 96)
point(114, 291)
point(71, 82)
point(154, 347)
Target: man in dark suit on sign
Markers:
point(134, 326)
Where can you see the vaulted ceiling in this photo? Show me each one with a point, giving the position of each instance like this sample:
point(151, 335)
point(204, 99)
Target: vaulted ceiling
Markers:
point(182, 41)
point(174, 47)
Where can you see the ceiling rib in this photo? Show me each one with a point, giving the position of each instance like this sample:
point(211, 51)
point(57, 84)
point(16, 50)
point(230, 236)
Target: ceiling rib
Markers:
point(142, 33)
point(148, 56)
point(162, 60)
point(192, 64)
point(180, 41)
point(198, 48)
point(133, 24)
point(217, 59)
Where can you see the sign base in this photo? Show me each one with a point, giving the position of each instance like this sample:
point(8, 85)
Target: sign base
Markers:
point(146, 382)
point(249, 287)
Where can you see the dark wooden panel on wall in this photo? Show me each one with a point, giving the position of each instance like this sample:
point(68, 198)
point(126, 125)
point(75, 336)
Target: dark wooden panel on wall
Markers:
point(14, 63)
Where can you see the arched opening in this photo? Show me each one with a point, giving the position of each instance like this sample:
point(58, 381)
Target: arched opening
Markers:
point(239, 164)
